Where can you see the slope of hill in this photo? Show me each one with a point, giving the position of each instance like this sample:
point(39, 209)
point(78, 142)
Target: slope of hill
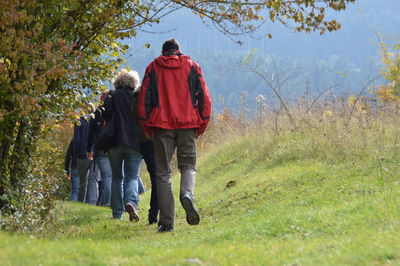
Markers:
point(310, 197)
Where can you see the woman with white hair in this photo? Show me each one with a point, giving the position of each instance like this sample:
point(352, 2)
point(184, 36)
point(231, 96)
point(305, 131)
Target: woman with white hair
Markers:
point(124, 156)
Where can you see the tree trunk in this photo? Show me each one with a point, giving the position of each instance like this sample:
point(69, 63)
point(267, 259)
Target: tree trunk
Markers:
point(7, 139)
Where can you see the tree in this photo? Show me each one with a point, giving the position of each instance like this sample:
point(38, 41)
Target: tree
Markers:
point(391, 71)
point(54, 55)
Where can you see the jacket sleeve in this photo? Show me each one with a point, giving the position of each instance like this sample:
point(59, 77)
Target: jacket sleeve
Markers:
point(203, 99)
point(135, 117)
point(146, 96)
point(107, 108)
point(76, 139)
point(68, 157)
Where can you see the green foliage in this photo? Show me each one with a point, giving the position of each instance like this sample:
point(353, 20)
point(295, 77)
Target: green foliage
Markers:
point(44, 185)
point(54, 56)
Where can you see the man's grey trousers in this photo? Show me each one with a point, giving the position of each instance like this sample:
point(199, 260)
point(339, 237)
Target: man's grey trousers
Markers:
point(165, 143)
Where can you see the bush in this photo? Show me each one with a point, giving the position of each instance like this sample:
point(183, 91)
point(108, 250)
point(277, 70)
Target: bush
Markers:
point(31, 209)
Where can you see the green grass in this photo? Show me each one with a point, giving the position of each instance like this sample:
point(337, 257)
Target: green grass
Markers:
point(291, 201)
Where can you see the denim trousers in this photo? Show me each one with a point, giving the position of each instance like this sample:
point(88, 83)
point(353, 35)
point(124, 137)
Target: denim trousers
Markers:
point(74, 184)
point(141, 188)
point(147, 150)
point(106, 175)
point(88, 181)
point(125, 164)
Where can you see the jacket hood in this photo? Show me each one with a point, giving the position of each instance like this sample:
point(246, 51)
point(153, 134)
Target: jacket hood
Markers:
point(175, 60)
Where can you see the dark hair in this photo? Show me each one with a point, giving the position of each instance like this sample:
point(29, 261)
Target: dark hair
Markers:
point(169, 45)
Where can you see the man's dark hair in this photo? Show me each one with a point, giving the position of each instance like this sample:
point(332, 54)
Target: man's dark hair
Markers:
point(169, 45)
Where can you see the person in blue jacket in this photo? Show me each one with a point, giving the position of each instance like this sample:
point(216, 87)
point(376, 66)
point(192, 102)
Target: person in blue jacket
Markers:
point(88, 171)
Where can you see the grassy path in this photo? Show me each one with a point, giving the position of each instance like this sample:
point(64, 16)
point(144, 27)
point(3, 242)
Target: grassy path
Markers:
point(259, 205)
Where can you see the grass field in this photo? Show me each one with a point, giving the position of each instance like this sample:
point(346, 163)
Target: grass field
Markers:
point(293, 199)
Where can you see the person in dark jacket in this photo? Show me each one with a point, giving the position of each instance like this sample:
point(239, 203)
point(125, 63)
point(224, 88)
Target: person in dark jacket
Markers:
point(147, 149)
point(174, 108)
point(71, 171)
point(124, 156)
point(88, 171)
point(96, 125)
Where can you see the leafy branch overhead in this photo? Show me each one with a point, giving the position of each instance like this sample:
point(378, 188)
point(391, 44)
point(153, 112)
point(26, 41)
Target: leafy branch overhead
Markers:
point(238, 17)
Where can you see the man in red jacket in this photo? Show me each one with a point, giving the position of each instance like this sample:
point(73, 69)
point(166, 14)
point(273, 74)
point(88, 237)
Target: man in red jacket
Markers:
point(174, 109)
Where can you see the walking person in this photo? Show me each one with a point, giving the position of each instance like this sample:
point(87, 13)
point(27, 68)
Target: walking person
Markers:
point(71, 171)
point(96, 125)
point(174, 109)
point(147, 149)
point(88, 171)
point(124, 156)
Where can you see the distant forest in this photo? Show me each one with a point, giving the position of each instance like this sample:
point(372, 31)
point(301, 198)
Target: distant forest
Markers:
point(295, 62)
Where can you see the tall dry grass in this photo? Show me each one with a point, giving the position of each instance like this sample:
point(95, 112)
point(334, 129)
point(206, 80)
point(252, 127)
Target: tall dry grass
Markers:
point(341, 128)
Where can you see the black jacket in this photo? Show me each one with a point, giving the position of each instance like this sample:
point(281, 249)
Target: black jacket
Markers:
point(141, 136)
point(120, 103)
point(96, 125)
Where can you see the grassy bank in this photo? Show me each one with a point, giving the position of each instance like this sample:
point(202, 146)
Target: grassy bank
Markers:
point(320, 196)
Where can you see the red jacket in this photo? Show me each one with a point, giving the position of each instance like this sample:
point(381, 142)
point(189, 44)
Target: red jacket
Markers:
point(174, 95)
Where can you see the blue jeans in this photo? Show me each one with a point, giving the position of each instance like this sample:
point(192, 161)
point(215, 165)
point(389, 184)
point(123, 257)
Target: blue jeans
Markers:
point(141, 188)
point(106, 174)
point(130, 159)
point(74, 184)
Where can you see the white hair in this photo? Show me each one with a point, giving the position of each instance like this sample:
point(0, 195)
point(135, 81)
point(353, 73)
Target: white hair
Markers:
point(126, 79)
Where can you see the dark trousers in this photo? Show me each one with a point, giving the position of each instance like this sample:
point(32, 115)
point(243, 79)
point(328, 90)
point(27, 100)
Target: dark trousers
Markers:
point(147, 150)
point(165, 143)
point(88, 181)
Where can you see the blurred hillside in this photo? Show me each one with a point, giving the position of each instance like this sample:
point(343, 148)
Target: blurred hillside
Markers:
point(344, 60)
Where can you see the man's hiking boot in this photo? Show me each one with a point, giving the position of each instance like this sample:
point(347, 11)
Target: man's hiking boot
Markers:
point(131, 210)
point(153, 216)
point(192, 217)
point(153, 219)
point(163, 228)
